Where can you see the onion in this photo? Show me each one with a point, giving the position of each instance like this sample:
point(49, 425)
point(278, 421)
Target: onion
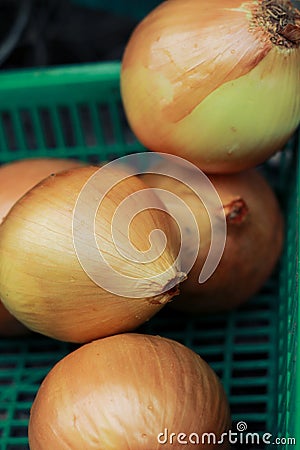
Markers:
point(16, 178)
point(214, 81)
point(253, 243)
point(51, 276)
point(129, 391)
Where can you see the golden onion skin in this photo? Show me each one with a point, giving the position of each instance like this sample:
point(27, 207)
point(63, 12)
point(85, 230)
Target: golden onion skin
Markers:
point(206, 81)
point(42, 282)
point(121, 392)
point(17, 178)
point(254, 240)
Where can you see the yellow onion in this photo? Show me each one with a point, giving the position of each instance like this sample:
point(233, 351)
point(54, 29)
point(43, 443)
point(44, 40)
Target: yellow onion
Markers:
point(16, 178)
point(253, 242)
point(130, 391)
point(214, 81)
point(50, 267)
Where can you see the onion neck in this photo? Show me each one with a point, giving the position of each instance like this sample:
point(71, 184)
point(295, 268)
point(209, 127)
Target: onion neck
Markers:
point(280, 20)
point(236, 211)
point(167, 294)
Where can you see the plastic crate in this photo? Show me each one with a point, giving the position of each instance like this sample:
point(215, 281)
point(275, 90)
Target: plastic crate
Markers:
point(77, 112)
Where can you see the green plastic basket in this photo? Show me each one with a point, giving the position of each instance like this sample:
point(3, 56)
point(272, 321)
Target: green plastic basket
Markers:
point(77, 112)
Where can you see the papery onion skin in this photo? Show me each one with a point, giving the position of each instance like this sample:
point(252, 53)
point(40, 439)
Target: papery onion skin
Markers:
point(254, 241)
point(121, 392)
point(203, 80)
point(42, 282)
point(17, 178)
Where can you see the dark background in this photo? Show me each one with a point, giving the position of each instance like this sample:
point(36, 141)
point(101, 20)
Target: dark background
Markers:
point(39, 33)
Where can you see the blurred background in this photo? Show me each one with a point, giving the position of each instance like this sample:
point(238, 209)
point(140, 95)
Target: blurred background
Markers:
point(39, 33)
